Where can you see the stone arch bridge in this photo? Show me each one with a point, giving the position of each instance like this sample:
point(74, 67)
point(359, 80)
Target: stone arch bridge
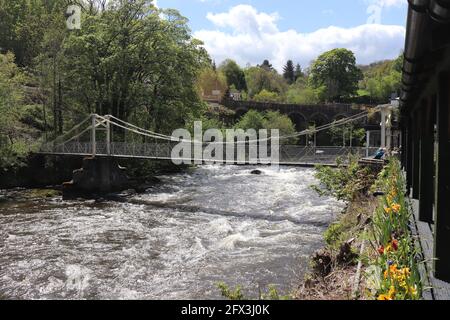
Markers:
point(301, 115)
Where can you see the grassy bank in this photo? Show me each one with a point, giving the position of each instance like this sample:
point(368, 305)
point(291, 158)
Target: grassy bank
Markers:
point(369, 252)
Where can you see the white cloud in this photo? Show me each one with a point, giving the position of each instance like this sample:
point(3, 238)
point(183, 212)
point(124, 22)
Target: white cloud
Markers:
point(388, 3)
point(251, 36)
point(246, 19)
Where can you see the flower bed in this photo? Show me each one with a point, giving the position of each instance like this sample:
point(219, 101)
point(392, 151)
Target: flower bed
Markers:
point(393, 274)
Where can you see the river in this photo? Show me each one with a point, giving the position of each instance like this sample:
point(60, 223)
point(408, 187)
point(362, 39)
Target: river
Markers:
point(177, 241)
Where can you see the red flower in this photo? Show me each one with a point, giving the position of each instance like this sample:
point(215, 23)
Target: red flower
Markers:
point(395, 244)
point(381, 250)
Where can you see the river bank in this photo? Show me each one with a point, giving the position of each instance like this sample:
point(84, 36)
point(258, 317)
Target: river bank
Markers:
point(370, 252)
point(41, 172)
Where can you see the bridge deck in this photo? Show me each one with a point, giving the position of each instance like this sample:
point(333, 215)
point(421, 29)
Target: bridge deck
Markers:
point(288, 155)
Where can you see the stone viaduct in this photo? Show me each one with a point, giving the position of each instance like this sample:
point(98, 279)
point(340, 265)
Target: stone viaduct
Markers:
point(301, 115)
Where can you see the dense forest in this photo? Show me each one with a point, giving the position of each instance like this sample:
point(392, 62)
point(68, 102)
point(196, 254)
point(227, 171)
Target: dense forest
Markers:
point(333, 77)
point(142, 64)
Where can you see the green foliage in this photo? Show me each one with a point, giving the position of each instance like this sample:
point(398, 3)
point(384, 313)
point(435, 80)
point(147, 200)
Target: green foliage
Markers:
point(251, 120)
point(129, 58)
point(237, 295)
point(210, 80)
point(394, 250)
point(298, 73)
point(289, 72)
point(382, 79)
point(276, 120)
point(14, 145)
point(23, 25)
point(234, 295)
point(234, 74)
point(259, 79)
point(339, 133)
point(269, 120)
point(336, 70)
point(347, 182)
point(267, 96)
point(333, 234)
point(301, 93)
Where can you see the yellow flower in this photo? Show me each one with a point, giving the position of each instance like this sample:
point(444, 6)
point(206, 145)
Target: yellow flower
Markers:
point(393, 193)
point(406, 271)
point(396, 208)
point(392, 293)
point(413, 291)
point(387, 210)
point(383, 297)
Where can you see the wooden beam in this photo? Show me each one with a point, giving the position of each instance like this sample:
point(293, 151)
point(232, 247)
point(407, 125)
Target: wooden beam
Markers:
point(426, 161)
point(442, 227)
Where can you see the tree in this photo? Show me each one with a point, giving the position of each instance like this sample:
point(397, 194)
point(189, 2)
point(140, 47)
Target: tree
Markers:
point(131, 63)
point(276, 120)
point(259, 79)
point(251, 120)
point(23, 24)
point(210, 80)
point(234, 74)
point(305, 95)
point(289, 72)
point(266, 65)
point(336, 70)
point(342, 134)
point(381, 79)
point(16, 138)
point(267, 96)
point(298, 73)
point(270, 120)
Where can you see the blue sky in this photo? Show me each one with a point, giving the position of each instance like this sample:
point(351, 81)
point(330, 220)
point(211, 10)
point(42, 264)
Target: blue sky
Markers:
point(248, 31)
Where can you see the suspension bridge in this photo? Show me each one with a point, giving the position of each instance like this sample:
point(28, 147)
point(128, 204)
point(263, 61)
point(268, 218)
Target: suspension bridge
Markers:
point(95, 136)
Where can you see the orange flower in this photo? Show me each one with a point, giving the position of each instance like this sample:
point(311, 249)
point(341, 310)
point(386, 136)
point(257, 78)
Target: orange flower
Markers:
point(396, 207)
point(387, 210)
point(381, 250)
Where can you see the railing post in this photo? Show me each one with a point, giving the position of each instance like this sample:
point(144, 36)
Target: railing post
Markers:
point(383, 128)
point(367, 143)
point(108, 135)
point(93, 136)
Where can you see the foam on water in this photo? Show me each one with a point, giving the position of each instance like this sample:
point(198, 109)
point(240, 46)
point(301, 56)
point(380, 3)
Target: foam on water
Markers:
point(218, 223)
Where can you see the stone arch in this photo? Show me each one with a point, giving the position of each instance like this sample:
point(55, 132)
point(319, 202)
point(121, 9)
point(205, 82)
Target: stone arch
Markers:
point(299, 120)
point(323, 138)
point(318, 119)
point(300, 123)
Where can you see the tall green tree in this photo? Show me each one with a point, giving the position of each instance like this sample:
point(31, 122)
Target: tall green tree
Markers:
point(266, 65)
point(133, 64)
point(337, 72)
point(234, 74)
point(289, 72)
point(259, 79)
point(298, 73)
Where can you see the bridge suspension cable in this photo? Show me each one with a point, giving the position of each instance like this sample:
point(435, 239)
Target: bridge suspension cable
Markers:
point(112, 120)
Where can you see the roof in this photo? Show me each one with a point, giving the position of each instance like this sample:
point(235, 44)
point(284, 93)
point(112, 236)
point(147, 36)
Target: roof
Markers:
point(427, 38)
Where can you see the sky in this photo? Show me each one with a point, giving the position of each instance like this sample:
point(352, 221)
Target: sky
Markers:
point(249, 31)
